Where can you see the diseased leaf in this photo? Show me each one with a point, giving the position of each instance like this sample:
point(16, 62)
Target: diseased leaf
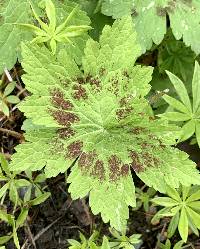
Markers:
point(98, 120)
point(150, 21)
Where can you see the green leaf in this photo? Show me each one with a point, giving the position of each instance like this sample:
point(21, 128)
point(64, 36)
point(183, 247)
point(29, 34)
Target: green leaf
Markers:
point(9, 88)
point(196, 87)
point(51, 14)
point(105, 244)
point(183, 225)
point(3, 189)
point(173, 194)
point(181, 90)
point(178, 245)
point(188, 130)
point(4, 108)
point(170, 58)
point(164, 201)
point(184, 19)
point(11, 35)
point(197, 132)
point(13, 99)
point(176, 104)
point(4, 240)
point(22, 217)
point(111, 54)
point(173, 225)
point(40, 199)
point(4, 164)
point(176, 116)
point(195, 217)
point(19, 183)
point(194, 197)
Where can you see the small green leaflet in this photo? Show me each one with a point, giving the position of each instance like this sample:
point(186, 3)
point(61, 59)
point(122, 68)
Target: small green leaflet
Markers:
point(149, 17)
point(184, 110)
point(14, 12)
point(98, 120)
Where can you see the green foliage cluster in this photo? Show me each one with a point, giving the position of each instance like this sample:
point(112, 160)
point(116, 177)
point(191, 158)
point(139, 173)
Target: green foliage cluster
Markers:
point(98, 109)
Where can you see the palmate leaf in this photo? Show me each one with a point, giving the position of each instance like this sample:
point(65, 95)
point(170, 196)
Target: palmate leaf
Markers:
point(149, 18)
point(13, 11)
point(98, 119)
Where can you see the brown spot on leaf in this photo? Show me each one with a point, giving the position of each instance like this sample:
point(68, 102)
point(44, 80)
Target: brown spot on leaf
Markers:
point(102, 71)
point(65, 132)
point(80, 92)
point(64, 118)
point(136, 164)
point(115, 167)
point(125, 170)
point(123, 113)
point(86, 160)
point(58, 100)
point(138, 130)
point(98, 170)
point(75, 149)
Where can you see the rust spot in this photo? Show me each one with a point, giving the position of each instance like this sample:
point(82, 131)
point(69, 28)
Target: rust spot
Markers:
point(149, 160)
point(65, 132)
point(123, 113)
point(125, 170)
point(98, 170)
point(86, 160)
point(138, 130)
point(58, 100)
point(80, 92)
point(125, 73)
point(64, 118)
point(80, 80)
point(75, 149)
point(136, 164)
point(115, 168)
point(95, 82)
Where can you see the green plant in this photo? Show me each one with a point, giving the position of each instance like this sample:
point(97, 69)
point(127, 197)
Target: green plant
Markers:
point(143, 198)
point(167, 245)
point(10, 183)
point(51, 33)
point(12, 32)
point(123, 241)
point(84, 243)
point(184, 19)
point(6, 98)
point(183, 207)
point(98, 120)
point(184, 110)
point(116, 241)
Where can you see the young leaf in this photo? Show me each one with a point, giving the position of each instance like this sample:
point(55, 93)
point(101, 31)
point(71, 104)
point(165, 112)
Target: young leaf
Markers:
point(183, 225)
point(196, 87)
point(181, 90)
point(173, 225)
point(13, 99)
point(9, 88)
